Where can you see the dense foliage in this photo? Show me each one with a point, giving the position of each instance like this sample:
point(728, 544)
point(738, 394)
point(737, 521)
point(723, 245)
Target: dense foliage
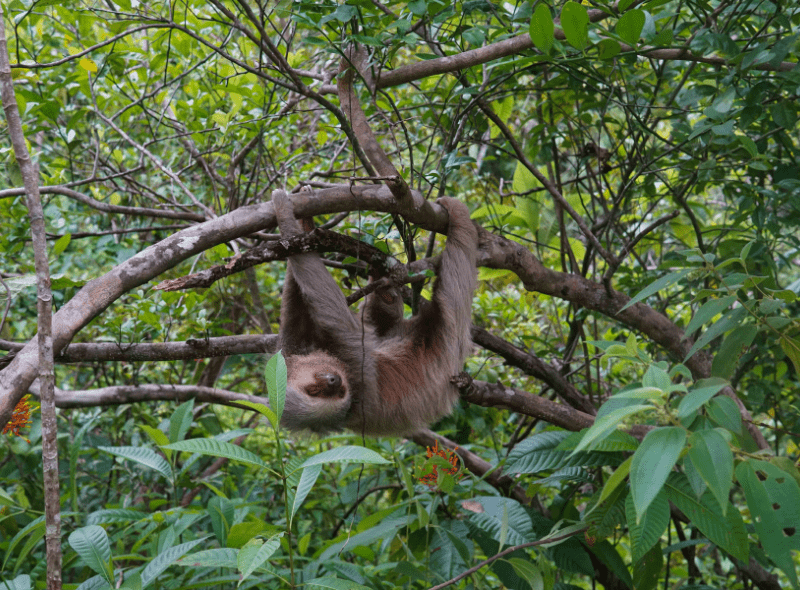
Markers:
point(632, 419)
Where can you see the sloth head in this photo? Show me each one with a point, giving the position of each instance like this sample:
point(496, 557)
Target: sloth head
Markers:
point(318, 395)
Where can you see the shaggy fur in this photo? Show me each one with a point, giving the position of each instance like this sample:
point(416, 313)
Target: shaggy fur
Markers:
point(390, 376)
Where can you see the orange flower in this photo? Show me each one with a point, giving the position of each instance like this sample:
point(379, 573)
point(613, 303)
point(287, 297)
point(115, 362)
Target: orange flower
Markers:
point(20, 418)
point(429, 479)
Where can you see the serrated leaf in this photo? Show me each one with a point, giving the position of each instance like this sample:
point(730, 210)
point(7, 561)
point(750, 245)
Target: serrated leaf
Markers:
point(630, 25)
point(143, 456)
point(217, 448)
point(540, 453)
point(728, 533)
point(542, 28)
point(92, 545)
point(346, 454)
point(503, 519)
point(657, 285)
point(647, 532)
point(713, 459)
point(575, 22)
point(652, 463)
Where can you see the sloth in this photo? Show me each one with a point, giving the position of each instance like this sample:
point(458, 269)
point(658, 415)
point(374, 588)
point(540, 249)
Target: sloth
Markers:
point(385, 375)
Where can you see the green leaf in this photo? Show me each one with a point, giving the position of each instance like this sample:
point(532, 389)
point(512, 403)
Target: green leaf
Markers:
point(307, 480)
point(630, 26)
point(608, 48)
point(217, 448)
point(575, 22)
point(647, 532)
point(92, 545)
point(504, 519)
point(724, 411)
point(333, 583)
point(143, 456)
point(346, 454)
point(166, 559)
point(540, 452)
point(61, 245)
point(275, 375)
point(708, 311)
point(773, 498)
point(217, 558)
point(262, 409)
point(712, 457)
point(657, 285)
point(647, 571)
point(730, 351)
point(791, 347)
point(703, 391)
point(525, 569)
point(251, 557)
point(652, 463)
point(728, 533)
point(180, 421)
point(606, 424)
point(728, 321)
point(542, 28)
point(616, 479)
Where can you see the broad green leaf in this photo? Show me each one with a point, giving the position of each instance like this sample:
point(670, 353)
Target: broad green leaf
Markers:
point(217, 558)
point(728, 533)
point(657, 285)
point(116, 515)
point(217, 448)
point(307, 480)
point(712, 457)
point(616, 479)
point(275, 375)
point(262, 409)
point(143, 456)
point(693, 476)
point(728, 321)
point(724, 411)
point(647, 571)
point(180, 421)
point(542, 29)
point(575, 22)
point(773, 498)
point(526, 570)
point(61, 245)
point(608, 48)
point(21, 582)
point(606, 424)
point(92, 545)
point(791, 347)
point(251, 557)
point(730, 351)
point(332, 583)
point(630, 26)
point(31, 533)
point(222, 513)
point(608, 555)
point(165, 559)
point(504, 519)
point(346, 454)
point(646, 533)
point(652, 463)
point(540, 452)
point(703, 391)
point(707, 312)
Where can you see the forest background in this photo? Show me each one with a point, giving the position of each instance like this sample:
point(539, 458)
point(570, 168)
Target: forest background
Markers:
point(630, 419)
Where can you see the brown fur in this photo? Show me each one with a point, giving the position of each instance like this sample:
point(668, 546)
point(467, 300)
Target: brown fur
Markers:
point(395, 373)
